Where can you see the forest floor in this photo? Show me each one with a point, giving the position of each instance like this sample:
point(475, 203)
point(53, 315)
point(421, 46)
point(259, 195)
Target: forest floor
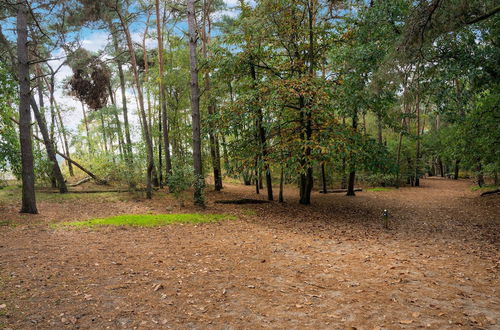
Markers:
point(330, 265)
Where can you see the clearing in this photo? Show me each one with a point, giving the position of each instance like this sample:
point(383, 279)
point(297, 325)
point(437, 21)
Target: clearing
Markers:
point(329, 265)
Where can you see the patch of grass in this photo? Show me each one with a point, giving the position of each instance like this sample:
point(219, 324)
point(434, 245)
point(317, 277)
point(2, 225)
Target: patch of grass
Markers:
point(5, 223)
point(379, 189)
point(249, 212)
point(483, 188)
point(148, 220)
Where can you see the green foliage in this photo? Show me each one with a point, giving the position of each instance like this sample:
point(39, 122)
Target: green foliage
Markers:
point(10, 158)
point(180, 180)
point(148, 220)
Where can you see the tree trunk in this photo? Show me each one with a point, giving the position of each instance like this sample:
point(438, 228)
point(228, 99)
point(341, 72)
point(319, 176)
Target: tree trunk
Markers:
point(257, 175)
point(479, 171)
point(441, 167)
point(121, 76)
point(214, 153)
point(457, 163)
point(379, 129)
point(323, 177)
point(28, 176)
point(306, 177)
point(89, 143)
point(261, 135)
point(163, 98)
point(343, 180)
point(65, 138)
point(417, 151)
point(147, 137)
point(195, 106)
point(352, 164)
point(49, 146)
point(121, 141)
point(282, 179)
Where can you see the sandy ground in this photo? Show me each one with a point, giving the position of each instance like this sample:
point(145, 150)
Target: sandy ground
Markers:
point(330, 265)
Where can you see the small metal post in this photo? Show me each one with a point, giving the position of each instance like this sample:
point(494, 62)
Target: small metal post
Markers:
point(386, 219)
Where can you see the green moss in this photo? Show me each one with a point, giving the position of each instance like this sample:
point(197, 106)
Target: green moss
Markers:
point(148, 220)
point(379, 189)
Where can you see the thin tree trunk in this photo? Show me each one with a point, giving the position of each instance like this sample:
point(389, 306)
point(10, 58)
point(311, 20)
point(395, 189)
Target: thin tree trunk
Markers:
point(49, 146)
point(352, 164)
point(147, 137)
point(282, 179)
point(89, 143)
point(195, 106)
point(28, 204)
point(121, 141)
point(323, 177)
point(163, 97)
point(379, 129)
point(121, 76)
point(457, 163)
point(211, 107)
point(479, 171)
point(261, 136)
point(417, 151)
point(441, 167)
point(65, 140)
point(103, 128)
point(343, 180)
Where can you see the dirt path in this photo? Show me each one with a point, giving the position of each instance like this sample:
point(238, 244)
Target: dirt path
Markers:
point(325, 266)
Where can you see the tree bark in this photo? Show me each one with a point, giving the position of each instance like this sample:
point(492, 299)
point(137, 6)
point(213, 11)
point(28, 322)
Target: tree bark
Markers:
point(479, 171)
point(163, 97)
point(28, 204)
point(214, 142)
point(49, 146)
point(379, 129)
point(282, 179)
point(457, 167)
point(195, 106)
point(323, 177)
point(352, 164)
point(417, 151)
point(147, 136)
point(121, 76)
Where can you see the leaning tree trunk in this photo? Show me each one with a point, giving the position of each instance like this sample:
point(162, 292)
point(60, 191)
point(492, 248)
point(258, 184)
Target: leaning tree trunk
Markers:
point(28, 175)
point(195, 106)
point(49, 146)
point(147, 136)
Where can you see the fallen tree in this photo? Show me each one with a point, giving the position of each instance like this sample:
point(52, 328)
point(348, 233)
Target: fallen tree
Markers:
point(96, 179)
point(491, 192)
point(87, 179)
point(338, 191)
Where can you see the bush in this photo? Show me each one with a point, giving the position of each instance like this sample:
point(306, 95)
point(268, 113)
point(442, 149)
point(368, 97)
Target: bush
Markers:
point(179, 181)
point(379, 180)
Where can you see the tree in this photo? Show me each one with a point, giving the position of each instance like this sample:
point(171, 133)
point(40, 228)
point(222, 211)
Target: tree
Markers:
point(199, 180)
point(28, 204)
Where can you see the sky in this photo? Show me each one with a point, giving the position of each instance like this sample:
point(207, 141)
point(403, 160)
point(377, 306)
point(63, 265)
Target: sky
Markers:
point(95, 41)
